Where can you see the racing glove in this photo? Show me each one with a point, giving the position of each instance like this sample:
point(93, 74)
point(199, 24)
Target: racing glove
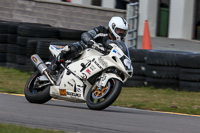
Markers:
point(99, 46)
point(90, 43)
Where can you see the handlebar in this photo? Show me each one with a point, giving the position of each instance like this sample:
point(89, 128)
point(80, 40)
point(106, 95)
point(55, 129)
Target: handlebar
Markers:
point(104, 50)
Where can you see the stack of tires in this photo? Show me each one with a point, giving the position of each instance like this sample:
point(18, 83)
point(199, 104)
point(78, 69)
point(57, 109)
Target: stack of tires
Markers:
point(3, 43)
point(20, 40)
point(70, 35)
point(38, 46)
point(27, 32)
point(138, 58)
point(189, 75)
point(12, 44)
point(8, 38)
point(162, 68)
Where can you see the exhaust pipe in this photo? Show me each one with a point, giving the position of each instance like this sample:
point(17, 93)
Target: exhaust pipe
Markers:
point(39, 64)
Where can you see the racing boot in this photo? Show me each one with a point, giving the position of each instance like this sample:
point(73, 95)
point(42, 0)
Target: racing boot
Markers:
point(59, 59)
point(69, 52)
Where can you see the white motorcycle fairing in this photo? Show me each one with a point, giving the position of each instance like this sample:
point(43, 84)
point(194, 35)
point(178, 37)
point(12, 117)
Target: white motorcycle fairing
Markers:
point(74, 84)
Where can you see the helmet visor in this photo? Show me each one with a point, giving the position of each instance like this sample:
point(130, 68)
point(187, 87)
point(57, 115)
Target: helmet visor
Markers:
point(120, 32)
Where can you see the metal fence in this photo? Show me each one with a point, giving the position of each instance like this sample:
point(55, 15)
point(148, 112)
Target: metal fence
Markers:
point(132, 17)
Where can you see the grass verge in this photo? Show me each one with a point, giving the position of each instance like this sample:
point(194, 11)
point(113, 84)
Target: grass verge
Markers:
point(9, 128)
point(167, 100)
point(13, 81)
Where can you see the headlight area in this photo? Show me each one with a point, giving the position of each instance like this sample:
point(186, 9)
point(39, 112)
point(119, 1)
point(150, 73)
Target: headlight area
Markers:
point(126, 62)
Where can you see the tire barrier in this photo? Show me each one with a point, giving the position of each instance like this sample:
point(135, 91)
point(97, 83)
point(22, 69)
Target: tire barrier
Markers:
point(159, 68)
point(19, 40)
point(138, 58)
point(135, 81)
point(162, 68)
point(69, 34)
point(189, 74)
point(40, 31)
point(179, 70)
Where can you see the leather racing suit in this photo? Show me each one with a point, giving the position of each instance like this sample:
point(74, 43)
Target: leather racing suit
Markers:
point(98, 34)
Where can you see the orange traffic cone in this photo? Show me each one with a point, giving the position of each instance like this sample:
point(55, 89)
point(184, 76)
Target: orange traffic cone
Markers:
point(146, 43)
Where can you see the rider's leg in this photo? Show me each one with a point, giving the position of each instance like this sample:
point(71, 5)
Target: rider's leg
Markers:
point(74, 50)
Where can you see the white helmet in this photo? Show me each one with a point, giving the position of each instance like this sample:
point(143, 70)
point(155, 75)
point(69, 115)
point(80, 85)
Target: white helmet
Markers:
point(118, 23)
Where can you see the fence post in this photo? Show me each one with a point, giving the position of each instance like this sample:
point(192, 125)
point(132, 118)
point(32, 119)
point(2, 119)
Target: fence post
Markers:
point(132, 15)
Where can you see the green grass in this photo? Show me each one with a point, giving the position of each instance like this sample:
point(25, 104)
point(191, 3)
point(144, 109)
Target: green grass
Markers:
point(8, 128)
point(160, 100)
point(13, 81)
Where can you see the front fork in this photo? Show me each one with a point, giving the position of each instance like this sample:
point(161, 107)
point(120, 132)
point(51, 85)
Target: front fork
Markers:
point(104, 79)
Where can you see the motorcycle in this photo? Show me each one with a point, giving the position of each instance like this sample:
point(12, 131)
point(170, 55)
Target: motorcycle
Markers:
point(96, 77)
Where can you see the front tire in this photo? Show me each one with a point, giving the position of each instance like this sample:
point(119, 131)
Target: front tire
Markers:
point(99, 100)
point(36, 95)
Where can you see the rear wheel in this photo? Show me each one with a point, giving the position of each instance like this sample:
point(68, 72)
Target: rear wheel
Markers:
point(34, 94)
point(98, 99)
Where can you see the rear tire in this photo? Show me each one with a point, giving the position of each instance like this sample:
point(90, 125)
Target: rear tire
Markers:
point(107, 99)
point(33, 95)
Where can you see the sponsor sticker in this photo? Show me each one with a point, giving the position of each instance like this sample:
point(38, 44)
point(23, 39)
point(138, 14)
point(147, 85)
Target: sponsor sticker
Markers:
point(115, 51)
point(62, 92)
point(95, 62)
point(92, 67)
point(84, 76)
point(73, 94)
point(84, 66)
point(78, 90)
point(34, 59)
point(58, 47)
point(102, 62)
point(88, 71)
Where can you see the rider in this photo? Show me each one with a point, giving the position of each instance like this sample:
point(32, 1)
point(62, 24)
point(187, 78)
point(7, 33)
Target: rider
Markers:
point(117, 29)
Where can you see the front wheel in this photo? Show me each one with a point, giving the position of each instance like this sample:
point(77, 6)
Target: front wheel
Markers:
point(98, 99)
point(34, 94)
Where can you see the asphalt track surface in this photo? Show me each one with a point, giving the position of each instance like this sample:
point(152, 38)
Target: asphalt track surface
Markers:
point(77, 118)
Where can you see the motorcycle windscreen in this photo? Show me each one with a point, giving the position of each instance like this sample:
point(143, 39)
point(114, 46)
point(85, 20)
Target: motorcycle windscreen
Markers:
point(121, 45)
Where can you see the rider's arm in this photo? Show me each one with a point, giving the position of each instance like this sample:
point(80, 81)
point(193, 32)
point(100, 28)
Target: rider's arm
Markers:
point(86, 37)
